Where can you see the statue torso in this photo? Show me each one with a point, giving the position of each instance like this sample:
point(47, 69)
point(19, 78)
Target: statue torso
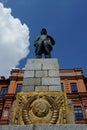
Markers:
point(43, 37)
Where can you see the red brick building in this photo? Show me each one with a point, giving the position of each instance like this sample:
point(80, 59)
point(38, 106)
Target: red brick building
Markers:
point(73, 83)
point(8, 89)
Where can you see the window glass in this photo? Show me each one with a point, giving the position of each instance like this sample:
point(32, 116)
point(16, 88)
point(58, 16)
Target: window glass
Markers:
point(3, 91)
point(0, 113)
point(78, 113)
point(62, 87)
point(19, 87)
point(5, 113)
point(73, 87)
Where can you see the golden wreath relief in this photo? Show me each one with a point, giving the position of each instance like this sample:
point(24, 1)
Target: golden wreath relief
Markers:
point(41, 108)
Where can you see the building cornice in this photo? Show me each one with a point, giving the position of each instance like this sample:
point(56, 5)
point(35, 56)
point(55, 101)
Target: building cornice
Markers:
point(72, 77)
point(79, 95)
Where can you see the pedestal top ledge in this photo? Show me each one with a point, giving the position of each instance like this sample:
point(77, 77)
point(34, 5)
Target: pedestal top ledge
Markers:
point(38, 64)
point(42, 60)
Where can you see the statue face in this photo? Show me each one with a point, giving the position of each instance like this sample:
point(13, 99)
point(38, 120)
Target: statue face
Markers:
point(43, 31)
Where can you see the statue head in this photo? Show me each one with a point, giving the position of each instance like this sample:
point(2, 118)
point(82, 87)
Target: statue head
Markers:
point(43, 31)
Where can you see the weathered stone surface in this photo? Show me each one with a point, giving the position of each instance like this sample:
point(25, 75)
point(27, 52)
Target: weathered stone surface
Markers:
point(28, 74)
point(41, 73)
point(45, 127)
point(61, 127)
point(44, 64)
point(52, 66)
point(50, 81)
point(53, 73)
point(41, 88)
point(54, 88)
point(31, 81)
point(28, 88)
point(33, 66)
point(16, 127)
point(47, 60)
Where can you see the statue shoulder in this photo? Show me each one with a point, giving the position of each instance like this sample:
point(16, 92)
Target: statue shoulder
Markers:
point(36, 41)
point(51, 38)
point(37, 38)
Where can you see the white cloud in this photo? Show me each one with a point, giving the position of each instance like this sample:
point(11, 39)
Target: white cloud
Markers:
point(14, 40)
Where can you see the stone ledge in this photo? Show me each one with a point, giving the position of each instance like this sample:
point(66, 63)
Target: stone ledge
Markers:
point(45, 127)
point(36, 60)
point(41, 64)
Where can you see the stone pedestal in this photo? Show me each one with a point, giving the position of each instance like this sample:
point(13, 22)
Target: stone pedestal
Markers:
point(41, 100)
point(41, 108)
point(41, 75)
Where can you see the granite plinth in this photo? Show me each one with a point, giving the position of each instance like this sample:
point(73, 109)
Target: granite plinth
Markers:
point(44, 127)
point(41, 72)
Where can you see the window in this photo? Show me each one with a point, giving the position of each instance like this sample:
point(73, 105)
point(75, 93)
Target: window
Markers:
point(3, 91)
point(62, 87)
point(0, 113)
point(5, 113)
point(19, 87)
point(78, 113)
point(73, 87)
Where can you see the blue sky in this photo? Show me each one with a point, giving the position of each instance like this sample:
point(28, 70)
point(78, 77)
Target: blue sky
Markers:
point(65, 21)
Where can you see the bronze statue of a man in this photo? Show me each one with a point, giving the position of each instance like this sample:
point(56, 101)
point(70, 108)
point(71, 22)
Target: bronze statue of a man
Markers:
point(43, 44)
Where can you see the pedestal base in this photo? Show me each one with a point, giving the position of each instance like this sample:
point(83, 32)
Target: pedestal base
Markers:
point(45, 127)
point(41, 108)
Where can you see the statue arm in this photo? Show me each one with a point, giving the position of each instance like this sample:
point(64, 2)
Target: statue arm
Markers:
point(51, 38)
point(36, 41)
